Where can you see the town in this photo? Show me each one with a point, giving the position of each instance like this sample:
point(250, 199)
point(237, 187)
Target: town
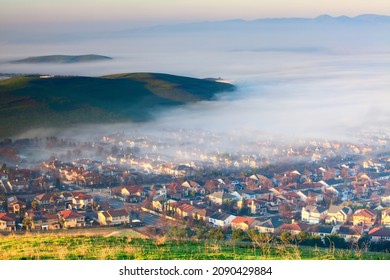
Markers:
point(188, 179)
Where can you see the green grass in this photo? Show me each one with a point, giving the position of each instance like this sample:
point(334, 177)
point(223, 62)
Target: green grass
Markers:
point(99, 247)
point(29, 102)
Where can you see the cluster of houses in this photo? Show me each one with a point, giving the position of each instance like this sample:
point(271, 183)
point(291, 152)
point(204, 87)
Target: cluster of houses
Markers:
point(274, 206)
point(350, 197)
point(320, 209)
point(51, 211)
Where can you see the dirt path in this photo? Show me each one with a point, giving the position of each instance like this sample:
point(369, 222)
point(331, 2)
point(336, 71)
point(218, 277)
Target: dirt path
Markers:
point(112, 233)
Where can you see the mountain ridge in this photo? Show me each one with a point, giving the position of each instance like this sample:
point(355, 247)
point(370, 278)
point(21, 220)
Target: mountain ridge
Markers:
point(32, 101)
point(62, 59)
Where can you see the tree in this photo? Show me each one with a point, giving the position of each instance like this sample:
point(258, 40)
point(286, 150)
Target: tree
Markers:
point(201, 233)
point(177, 232)
point(239, 235)
point(335, 241)
point(216, 234)
point(27, 223)
point(302, 236)
point(286, 237)
point(34, 204)
point(263, 240)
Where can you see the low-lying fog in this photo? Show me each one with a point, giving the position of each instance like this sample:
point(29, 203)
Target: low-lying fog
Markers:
point(297, 82)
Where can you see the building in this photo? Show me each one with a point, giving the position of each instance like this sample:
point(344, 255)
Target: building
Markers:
point(113, 217)
point(313, 214)
point(71, 219)
point(220, 219)
point(378, 234)
point(220, 197)
point(7, 222)
point(338, 214)
point(364, 217)
point(244, 223)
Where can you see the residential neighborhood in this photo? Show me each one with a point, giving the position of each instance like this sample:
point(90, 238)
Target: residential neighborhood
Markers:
point(321, 189)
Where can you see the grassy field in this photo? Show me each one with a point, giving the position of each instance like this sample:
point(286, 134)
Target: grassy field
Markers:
point(109, 244)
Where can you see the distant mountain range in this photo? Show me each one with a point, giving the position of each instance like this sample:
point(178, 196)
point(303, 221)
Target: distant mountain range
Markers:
point(63, 59)
point(30, 102)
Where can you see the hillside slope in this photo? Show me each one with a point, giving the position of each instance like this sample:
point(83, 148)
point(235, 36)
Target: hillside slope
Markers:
point(29, 102)
point(63, 59)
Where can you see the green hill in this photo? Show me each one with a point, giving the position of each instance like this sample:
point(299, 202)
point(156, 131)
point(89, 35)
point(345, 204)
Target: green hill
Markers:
point(63, 59)
point(29, 102)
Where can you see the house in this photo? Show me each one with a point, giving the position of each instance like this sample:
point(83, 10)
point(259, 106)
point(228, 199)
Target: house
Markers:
point(177, 191)
point(43, 199)
point(162, 204)
point(199, 214)
point(314, 195)
point(185, 210)
point(346, 193)
point(220, 219)
point(15, 205)
point(378, 234)
point(321, 230)
point(133, 193)
point(44, 221)
point(50, 222)
point(291, 197)
point(71, 219)
point(256, 207)
point(385, 218)
point(81, 200)
point(350, 233)
point(244, 223)
point(244, 194)
point(67, 197)
point(270, 225)
point(364, 217)
point(113, 217)
point(220, 197)
point(385, 198)
point(194, 187)
point(294, 227)
point(313, 214)
point(7, 222)
point(338, 214)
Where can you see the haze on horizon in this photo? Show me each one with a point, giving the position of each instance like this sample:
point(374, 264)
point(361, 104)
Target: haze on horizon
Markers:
point(300, 81)
point(98, 15)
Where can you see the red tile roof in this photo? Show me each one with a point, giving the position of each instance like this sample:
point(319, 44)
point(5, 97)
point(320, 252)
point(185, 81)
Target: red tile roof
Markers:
point(364, 213)
point(240, 220)
point(69, 214)
point(186, 208)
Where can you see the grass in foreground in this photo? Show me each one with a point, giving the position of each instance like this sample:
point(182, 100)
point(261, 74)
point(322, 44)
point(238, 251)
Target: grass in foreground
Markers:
point(106, 247)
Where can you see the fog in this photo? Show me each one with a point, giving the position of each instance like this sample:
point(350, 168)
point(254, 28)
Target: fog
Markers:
point(296, 80)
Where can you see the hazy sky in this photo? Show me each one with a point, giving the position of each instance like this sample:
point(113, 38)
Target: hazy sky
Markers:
point(156, 11)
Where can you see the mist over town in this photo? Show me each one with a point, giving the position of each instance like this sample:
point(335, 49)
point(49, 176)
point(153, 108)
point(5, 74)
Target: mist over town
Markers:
point(288, 138)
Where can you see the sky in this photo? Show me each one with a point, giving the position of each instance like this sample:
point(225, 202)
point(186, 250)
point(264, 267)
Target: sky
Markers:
point(27, 12)
point(315, 80)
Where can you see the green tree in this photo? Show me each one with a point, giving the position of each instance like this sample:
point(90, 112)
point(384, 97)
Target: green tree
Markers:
point(239, 235)
point(286, 237)
point(301, 236)
point(27, 223)
point(201, 233)
point(263, 240)
point(335, 241)
point(216, 234)
point(34, 204)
